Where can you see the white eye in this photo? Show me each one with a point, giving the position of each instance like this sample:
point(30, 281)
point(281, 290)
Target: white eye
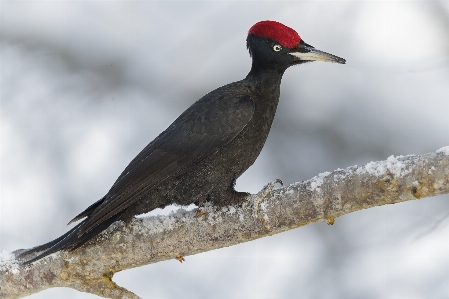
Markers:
point(277, 48)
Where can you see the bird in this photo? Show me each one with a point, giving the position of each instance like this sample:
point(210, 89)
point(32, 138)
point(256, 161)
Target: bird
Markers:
point(199, 157)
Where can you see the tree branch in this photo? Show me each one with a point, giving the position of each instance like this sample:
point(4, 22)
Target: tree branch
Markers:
point(153, 239)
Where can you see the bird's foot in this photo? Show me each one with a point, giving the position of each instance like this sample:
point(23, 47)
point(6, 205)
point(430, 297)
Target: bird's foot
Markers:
point(256, 199)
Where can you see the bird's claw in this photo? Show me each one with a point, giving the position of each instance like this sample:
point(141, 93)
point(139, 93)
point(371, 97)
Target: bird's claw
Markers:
point(260, 196)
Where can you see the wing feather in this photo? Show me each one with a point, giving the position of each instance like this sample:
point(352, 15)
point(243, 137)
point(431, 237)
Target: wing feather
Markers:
point(200, 131)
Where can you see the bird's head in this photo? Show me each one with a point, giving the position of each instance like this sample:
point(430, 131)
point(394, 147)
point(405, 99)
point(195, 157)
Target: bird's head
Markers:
point(274, 45)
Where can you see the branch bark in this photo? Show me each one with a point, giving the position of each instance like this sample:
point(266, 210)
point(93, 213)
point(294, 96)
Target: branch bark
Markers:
point(152, 239)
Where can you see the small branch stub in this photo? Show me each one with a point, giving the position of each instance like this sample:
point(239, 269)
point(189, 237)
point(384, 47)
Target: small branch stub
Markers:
point(180, 259)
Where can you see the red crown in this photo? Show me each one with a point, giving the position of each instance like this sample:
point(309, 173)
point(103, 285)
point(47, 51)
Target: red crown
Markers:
point(284, 35)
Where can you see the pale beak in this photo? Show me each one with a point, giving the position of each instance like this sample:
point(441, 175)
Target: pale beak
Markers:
point(308, 53)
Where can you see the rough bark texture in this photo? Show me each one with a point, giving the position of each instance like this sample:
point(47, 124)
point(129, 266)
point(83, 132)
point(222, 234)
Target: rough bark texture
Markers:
point(152, 239)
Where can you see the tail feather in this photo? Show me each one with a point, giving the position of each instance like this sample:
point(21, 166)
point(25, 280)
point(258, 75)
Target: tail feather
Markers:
point(83, 239)
point(87, 212)
point(50, 247)
point(24, 252)
point(68, 241)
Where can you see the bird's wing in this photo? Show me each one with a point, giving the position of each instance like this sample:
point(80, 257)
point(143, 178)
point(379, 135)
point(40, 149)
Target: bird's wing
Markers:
point(200, 131)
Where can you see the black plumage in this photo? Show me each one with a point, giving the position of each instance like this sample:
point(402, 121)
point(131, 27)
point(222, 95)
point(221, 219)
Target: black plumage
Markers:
point(202, 153)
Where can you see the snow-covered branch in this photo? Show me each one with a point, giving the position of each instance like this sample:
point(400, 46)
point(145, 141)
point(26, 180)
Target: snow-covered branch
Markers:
point(153, 239)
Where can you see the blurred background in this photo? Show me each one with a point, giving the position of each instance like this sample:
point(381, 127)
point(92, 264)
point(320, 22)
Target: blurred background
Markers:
point(86, 85)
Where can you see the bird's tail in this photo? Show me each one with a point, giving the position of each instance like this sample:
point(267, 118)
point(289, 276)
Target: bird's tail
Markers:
point(48, 248)
point(69, 241)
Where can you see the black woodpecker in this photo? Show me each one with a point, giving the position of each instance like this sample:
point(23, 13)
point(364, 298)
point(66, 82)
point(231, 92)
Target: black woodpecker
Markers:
point(201, 154)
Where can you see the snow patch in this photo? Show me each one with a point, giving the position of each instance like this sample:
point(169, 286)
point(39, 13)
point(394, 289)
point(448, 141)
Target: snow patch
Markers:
point(317, 181)
point(290, 190)
point(8, 262)
point(168, 210)
point(157, 224)
point(393, 164)
point(113, 227)
point(444, 150)
point(160, 223)
point(341, 174)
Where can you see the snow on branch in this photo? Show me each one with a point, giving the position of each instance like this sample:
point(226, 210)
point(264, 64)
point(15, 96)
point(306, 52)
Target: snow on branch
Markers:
point(153, 239)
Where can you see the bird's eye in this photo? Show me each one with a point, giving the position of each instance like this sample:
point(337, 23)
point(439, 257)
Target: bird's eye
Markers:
point(277, 48)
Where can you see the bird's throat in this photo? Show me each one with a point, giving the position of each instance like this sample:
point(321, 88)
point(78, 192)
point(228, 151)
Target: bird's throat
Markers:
point(267, 80)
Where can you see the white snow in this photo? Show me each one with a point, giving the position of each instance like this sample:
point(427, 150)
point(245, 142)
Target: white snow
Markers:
point(394, 165)
point(8, 262)
point(113, 227)
point(157, 224)
point(317, 181)
point(289, 191)
point(168, 210)
point(444, 150)
point(340, 174)
point(231, 210)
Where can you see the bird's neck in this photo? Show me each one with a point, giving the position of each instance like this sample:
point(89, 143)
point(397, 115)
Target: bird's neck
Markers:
point(265, 76)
